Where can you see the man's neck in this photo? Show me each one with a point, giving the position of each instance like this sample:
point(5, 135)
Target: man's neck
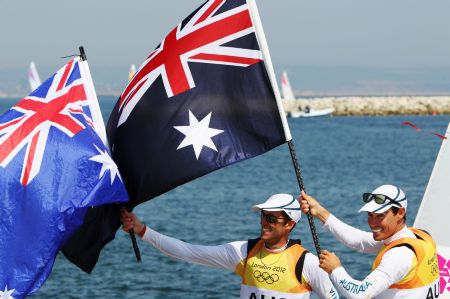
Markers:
point(277, 247)
point(403, 232)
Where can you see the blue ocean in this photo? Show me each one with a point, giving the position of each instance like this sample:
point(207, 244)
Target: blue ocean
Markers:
point(340, 158)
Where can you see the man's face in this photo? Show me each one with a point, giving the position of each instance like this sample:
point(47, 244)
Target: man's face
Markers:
point(384, 225)
point(275, 234)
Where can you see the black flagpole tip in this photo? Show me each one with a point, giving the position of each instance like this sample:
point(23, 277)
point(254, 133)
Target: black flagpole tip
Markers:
point(82, 54)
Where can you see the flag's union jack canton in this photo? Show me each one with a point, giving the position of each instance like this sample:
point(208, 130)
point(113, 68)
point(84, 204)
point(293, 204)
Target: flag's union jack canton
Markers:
point(200, 101)
point(54, 105)
point(207, 36)
point(53, 167)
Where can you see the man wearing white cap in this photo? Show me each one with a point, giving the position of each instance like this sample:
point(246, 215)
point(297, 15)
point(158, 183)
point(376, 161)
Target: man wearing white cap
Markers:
point(406, 264)
point(271, 267)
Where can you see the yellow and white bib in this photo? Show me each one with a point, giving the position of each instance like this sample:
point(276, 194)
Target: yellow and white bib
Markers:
point(423, 279)
point(273, 275)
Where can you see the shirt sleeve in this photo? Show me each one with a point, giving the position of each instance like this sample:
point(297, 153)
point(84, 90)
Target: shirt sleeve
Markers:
point(225, 256)
point(352, 237)
point(394, 266)
point(317, 278)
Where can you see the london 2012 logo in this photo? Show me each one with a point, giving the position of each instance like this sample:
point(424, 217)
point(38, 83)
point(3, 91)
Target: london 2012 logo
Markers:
point(444, 272)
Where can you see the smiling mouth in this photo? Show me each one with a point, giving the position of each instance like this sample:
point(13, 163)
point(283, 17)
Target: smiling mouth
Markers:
point(376, 230)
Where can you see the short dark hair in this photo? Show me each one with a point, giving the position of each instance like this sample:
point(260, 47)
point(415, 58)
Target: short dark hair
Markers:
point(395, 211)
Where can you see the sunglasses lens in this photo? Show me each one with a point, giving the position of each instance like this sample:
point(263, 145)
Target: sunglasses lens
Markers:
point(367, 197)
point(271, 218)
point(380, 199)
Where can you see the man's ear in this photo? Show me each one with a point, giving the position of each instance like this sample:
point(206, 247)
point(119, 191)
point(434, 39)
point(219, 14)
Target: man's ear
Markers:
point(290, 225)
point(401, 213)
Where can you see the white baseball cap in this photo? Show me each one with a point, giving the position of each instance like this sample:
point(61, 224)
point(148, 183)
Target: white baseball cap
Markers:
point(397, 196)
point(281, 202)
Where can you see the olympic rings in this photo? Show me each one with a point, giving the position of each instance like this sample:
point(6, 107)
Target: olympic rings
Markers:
point(266, 277)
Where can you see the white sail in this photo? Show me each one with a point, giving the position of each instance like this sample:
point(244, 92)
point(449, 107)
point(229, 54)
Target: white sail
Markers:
point(288, 94)
point(434, 212)
point(286, 89)
point(131, 72)
point(33, 77)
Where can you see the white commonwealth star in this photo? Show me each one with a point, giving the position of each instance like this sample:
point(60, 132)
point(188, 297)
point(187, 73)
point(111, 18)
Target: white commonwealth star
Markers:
point(107, 164)
point(6, 294)
point(198, 134)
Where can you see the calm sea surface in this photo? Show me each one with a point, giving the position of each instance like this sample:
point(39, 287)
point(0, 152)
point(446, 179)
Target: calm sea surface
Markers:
point(340, 158)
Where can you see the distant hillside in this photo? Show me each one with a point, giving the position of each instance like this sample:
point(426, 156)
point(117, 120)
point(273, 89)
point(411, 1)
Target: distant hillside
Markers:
point(305, 80)
point(109, 80)
point(328, 81)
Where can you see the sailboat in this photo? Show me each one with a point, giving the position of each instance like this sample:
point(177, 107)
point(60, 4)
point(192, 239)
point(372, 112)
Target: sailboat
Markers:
point(288, 94)
point(286, 89)
point(33, 77)
point(434, 213)
point(131, 72)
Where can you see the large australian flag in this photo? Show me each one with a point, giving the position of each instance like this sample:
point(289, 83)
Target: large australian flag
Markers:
point(54, 166)
point(200, 101)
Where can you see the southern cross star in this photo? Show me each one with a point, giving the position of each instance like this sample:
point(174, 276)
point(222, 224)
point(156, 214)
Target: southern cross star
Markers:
point(6, 294)
point(198, 134)
point(107, 164)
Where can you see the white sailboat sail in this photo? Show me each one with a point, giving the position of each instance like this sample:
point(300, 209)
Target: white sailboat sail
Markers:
point(288, 94)
point(434, 212)
point(131, 72)
point(33, 77)
point(286, 89)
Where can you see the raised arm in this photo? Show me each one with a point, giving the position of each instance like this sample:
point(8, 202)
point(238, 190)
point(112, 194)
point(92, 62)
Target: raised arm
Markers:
point(348, 235)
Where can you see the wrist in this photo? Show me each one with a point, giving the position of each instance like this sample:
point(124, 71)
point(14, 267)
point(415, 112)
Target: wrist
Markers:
point(323, 214)
point(142, 230)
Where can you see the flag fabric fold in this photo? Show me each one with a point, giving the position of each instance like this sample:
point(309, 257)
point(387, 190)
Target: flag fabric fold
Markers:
point(54, 167)
point(202, 100)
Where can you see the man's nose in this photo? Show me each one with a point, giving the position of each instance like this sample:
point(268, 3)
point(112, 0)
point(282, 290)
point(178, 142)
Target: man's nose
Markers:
point(372, 221)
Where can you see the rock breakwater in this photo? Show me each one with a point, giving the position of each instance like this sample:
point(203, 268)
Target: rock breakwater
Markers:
point(375, 105)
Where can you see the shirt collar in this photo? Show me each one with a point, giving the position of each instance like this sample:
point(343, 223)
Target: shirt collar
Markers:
point(403, 233)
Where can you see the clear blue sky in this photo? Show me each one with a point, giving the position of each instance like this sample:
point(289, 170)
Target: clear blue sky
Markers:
point(381, 33)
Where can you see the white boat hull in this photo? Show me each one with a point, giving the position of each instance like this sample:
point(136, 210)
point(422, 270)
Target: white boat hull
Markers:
point(311, 113)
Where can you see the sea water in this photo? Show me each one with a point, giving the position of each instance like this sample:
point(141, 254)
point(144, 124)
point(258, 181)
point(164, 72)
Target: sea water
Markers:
point(340, 158)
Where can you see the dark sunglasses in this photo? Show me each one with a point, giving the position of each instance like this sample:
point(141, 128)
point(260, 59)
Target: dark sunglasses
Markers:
point(272, 219)
point(378, 198)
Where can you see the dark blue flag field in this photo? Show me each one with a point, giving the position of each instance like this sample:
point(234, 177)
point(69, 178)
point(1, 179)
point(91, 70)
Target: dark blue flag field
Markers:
point(201, 100)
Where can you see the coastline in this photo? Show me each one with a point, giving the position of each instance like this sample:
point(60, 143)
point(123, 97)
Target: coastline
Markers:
point(355, 105)
point(374, 105)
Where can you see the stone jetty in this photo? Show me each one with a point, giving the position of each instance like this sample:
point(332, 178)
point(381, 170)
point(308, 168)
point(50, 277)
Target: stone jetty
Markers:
point(375, 105)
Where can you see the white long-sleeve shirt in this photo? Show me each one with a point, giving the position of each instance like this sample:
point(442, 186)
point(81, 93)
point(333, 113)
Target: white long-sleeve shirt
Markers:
point(396, 263)
point(228, 256)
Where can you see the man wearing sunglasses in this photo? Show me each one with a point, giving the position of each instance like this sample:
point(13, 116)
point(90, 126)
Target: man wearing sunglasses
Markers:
point(406, 264)
point(271, 266)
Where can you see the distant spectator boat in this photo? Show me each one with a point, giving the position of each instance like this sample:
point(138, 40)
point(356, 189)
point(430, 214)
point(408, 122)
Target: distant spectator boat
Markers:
point(311, 112)
point(288, 94)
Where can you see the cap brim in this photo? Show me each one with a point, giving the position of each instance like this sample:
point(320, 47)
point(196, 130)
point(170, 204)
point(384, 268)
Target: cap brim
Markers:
point(373, 207)
point(265, 207)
